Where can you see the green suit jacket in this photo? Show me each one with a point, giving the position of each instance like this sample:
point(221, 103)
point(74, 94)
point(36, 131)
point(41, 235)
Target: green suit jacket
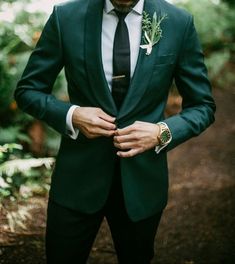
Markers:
point(84, 169)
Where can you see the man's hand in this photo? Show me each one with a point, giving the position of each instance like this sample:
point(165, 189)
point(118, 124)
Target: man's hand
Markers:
point(136, 138)
point(93, 122)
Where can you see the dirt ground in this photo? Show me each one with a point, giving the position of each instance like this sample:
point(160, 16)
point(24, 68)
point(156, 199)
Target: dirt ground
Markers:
point(198, 225)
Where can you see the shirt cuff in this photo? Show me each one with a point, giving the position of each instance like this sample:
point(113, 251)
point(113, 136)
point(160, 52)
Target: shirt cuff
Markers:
point(159, 148)
point(70, 130)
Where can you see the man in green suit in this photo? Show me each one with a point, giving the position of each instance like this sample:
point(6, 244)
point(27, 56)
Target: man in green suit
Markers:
point(112, 161)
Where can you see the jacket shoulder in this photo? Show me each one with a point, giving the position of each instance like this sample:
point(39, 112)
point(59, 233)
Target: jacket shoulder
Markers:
point(71, 4)
point(70, 9)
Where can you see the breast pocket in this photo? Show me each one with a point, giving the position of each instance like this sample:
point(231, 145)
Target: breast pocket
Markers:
point(168, 59)
point(163, 71)
point(164, 67)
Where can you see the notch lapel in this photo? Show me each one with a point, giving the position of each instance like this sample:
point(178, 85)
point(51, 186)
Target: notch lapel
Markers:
point(93, 57)
point(143, 70)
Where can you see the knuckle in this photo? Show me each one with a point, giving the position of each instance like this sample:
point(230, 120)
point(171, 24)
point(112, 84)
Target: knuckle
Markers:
point(130, 154)
point(121, 146)
point(117, 139)
point(127, 154)
point(111, 133)
point(136, 127)
point(118, 145)
point(135, 136)
point(90, 130)
point(136, 145)
point(93, 120)
point(108, 133)
point(133, 128)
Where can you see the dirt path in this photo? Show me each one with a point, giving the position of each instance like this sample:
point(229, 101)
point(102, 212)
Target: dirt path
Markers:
point(198, 225)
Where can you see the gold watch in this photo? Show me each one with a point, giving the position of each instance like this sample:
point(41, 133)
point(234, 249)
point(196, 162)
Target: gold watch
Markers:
point(164, 136)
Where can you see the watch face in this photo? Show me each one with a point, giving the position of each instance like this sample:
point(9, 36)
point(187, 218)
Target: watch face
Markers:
point(165, 136)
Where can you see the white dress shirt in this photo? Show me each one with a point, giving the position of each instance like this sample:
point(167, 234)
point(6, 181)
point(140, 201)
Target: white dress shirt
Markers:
point(109, 24)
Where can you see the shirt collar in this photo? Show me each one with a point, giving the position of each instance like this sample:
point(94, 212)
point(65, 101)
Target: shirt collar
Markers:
point(138, 8)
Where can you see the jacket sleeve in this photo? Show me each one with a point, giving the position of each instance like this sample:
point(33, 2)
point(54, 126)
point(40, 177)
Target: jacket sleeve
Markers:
point(191, 79)
point(33, 92)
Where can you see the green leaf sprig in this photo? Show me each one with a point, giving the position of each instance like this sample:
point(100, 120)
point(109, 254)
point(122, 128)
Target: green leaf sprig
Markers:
point(152, 30)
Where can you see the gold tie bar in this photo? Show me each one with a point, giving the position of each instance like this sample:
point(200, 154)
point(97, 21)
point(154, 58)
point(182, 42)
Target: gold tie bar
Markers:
point(118, 77)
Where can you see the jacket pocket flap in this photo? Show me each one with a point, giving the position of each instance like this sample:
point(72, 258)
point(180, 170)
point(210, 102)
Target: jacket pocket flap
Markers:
point(165, 59)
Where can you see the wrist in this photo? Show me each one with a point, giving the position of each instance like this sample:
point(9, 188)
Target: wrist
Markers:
point(75, 116)
point(157, 134)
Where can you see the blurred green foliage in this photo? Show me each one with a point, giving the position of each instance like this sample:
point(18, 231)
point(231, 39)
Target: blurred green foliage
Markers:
point(20, 29)
point(215, 23)
point(22, 176)
point(229, 2)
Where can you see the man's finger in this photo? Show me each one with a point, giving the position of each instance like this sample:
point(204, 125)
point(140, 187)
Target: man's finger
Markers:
point(124, 131)
point(106, 125)
point(128, 154)
point(125, 138)
point(123, 146)
point(103, 132)
point(106, 117)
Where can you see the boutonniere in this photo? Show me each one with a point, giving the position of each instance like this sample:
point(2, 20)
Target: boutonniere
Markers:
point(152, 31)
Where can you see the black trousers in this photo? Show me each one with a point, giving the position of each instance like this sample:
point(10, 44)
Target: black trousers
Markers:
point(70, 234)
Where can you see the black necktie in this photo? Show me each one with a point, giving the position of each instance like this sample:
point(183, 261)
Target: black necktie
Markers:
point(121, 61)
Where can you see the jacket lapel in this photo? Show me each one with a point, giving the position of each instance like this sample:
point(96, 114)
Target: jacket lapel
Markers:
point(95, 71)
point(93, 56)
point(143, 70)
